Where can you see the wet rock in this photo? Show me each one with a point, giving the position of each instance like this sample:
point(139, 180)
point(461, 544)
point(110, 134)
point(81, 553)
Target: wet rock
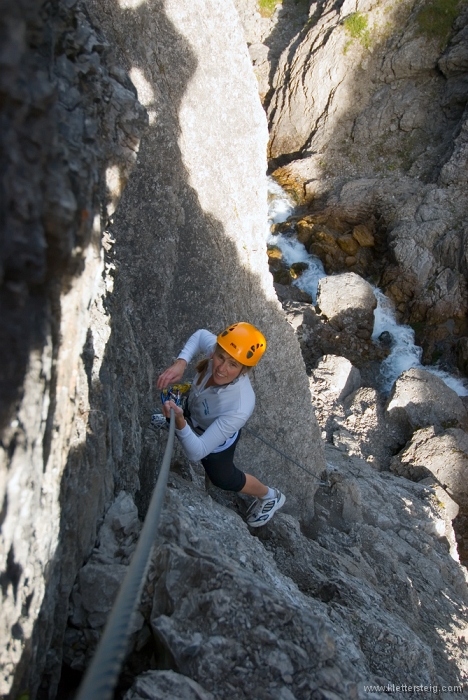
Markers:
point(386, 338)
point(462, 355)
point(275, 257)
point(363, 235)
point(297, 269)
point(282, 277)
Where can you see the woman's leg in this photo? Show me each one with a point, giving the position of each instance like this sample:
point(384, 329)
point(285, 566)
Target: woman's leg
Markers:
point(225, 475)
point(254, 487)
point(222, 471)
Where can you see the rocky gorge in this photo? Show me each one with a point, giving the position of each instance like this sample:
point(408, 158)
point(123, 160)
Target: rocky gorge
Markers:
point(134, 199)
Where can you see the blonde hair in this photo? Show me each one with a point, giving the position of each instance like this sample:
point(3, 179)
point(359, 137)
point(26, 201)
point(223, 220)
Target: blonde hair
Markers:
point(202, 365)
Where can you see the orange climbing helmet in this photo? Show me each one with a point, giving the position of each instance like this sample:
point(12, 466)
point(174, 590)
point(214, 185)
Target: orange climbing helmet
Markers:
point(243, 342)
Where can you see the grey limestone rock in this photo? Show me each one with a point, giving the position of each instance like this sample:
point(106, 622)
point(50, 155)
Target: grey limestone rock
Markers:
point(160, 685)
point(420, 399)
point(396, 153)
point(291, 293)
point(444, 454)
point(69, 118)
point(207, 267)
point(100, 289)
point(338, 377)
point(351, 602)
point(348, 303)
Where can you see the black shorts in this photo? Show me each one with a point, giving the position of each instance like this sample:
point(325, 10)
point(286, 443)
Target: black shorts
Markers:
point(222, 471)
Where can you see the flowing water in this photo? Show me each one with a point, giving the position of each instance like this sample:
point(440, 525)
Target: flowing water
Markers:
point(404, 354)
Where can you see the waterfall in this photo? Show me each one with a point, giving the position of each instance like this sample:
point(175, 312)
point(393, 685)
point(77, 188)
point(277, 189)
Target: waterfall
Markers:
point(281, 208)
point(404, 354)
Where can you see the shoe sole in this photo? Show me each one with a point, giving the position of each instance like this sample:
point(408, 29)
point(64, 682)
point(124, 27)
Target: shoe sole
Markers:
point(279, 505)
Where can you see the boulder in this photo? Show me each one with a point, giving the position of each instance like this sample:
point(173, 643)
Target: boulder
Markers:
point(336, 376)
point(348, 302)
point(420, 399)
point(443, 455)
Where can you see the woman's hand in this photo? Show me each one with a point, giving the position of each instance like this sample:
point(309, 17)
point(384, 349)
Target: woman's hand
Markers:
point(173, 374)
point(178, 414)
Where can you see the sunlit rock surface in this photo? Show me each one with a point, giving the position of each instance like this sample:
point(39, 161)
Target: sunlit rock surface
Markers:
point(348, 303)
point(442, 453)
point(420, 399)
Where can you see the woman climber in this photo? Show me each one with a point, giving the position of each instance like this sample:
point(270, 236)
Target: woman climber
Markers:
point(220, 402)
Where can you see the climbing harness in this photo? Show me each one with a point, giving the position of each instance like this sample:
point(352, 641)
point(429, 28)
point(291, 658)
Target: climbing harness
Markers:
point(283, 454)
point(103, 672)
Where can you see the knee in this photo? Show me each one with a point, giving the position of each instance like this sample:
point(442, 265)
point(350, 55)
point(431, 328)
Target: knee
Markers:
point(231, 480)
point(222, 482)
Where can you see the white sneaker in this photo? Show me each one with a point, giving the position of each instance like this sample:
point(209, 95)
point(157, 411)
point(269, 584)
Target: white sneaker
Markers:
point(159, 421)
point(260, 511)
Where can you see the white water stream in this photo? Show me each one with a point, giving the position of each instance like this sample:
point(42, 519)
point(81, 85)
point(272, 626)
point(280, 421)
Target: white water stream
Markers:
point(404, 354)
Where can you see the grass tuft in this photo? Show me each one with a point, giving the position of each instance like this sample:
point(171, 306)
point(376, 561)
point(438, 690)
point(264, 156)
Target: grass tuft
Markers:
point(436, 18)
point(357, 27)
point(267, 7)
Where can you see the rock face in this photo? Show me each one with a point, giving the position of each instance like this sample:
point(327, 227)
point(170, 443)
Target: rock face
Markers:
point(159, 685)
point(342, 321)
point(354, 583)
point(195, 230)
point(338, 377)
point(70, 120)
point(350, 603)
point(367, 119)
point(98, 296)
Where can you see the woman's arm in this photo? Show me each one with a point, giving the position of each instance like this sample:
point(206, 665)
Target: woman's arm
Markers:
point(201, 341)
point(173, 374)
point(196, 447)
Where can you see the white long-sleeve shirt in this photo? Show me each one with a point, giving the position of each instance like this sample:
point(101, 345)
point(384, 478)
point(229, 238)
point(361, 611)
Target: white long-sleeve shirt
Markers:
point(220, 411)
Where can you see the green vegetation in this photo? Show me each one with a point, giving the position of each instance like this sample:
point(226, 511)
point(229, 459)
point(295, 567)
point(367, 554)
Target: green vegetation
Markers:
point(267, 7)
point(357, 27)
point(436, 18)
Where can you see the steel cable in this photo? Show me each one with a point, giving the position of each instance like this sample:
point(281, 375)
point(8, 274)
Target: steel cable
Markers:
point(103, 672)
point(283, 454)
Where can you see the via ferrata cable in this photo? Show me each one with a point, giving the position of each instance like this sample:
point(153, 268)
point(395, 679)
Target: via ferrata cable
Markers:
point(283, 454)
